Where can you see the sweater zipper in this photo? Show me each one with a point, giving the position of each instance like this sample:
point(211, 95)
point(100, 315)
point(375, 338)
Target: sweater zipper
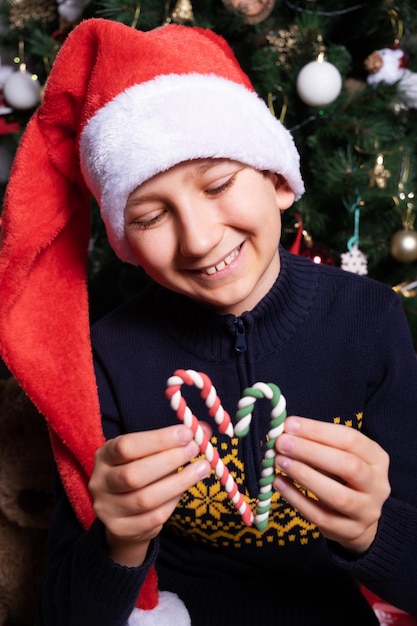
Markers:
point(240, 336)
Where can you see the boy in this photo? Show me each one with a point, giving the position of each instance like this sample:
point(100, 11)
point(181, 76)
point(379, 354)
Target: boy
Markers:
point(191, 172)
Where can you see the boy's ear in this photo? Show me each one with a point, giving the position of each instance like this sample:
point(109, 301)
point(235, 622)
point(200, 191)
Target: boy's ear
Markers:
point(284, 193)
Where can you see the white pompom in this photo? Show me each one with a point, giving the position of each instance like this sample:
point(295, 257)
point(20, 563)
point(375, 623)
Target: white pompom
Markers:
point(170, 611)
point(319, 83)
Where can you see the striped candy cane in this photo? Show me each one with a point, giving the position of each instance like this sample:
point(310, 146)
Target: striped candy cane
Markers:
point(278, 414)
point(222, 419)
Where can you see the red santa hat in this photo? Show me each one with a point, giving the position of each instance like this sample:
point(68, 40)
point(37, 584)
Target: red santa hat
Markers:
point(179, 95)
point(120, 106)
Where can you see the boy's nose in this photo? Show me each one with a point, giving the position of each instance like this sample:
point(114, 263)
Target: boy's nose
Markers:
point(198, 233)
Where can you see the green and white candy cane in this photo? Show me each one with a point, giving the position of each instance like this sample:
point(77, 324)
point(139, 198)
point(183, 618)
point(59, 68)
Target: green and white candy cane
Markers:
point(278, 414)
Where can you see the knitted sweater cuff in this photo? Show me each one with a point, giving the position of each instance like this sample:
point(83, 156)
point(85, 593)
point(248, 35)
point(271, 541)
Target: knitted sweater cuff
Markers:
point(103, 578)
point(380, 567)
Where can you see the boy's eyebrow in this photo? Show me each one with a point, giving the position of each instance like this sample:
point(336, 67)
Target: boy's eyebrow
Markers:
point(208, 164)
point(199, 168)
point(139, 199)
point(203, 166)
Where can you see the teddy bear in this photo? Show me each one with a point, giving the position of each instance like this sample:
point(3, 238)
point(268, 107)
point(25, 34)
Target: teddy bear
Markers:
point(26, 503)
point(389, 65)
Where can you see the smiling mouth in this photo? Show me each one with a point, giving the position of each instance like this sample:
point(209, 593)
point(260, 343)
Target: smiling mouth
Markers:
point(226, 261)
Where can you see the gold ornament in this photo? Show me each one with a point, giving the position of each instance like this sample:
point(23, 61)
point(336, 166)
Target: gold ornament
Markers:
point(285, 42)
point(379, 175)
point(23, 11)
point(183, 12)
point(407, 290)
point(404, 245)
point(404, 242)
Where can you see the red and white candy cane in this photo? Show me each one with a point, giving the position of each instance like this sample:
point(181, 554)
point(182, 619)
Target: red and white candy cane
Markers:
point(222, 419)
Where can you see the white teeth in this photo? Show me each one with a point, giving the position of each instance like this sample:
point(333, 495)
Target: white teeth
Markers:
point(220, 266)
point(231, 256)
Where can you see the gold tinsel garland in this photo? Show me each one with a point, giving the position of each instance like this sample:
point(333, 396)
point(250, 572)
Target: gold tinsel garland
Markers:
point(23, 11)
point(182, 12)
point(285, 42)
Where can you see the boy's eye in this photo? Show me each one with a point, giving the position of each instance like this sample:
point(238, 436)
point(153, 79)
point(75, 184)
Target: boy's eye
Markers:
point(146, 221)
point(220, 185)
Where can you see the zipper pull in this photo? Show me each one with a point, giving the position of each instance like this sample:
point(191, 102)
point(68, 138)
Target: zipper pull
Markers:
point(240, 336)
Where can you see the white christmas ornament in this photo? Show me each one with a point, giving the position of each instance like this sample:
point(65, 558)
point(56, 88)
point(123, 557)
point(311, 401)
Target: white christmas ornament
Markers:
point(319, 83)
point(21, 89)
point(71, 10)
point(354, 261)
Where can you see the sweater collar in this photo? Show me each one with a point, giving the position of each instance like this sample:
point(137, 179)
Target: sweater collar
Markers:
point(271, 323)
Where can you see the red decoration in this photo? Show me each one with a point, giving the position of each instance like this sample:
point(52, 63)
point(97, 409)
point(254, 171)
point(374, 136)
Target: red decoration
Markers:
point(8, 125)
point(318, 253)
point(386, 613)
point(303, 245)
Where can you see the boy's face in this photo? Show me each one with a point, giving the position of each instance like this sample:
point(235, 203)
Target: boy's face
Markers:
point(210, 229)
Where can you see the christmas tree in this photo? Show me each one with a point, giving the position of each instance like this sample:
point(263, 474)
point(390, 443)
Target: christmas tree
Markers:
point(341, 75)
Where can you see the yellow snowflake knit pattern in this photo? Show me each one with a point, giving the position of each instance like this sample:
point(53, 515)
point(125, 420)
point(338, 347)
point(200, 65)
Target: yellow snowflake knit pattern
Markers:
point(206, 514)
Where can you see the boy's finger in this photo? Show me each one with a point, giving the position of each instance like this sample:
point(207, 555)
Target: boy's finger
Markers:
point(137, 474)
point(336, 436)
point(132, 446)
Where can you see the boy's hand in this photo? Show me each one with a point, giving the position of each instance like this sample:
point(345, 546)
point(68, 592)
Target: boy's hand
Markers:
point(344, 469)
point(136, 486)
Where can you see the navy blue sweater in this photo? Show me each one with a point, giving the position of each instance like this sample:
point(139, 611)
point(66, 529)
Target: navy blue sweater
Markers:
point(338, 346)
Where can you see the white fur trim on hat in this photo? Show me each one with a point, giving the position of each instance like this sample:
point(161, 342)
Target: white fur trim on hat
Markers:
point(152, 126)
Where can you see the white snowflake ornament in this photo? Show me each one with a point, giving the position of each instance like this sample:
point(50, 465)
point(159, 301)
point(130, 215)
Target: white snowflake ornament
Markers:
point(354, 261)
